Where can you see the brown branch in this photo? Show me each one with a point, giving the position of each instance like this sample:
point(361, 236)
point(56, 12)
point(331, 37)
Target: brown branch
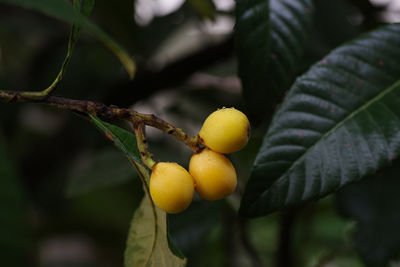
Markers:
point(85, 107)
point(152, 120)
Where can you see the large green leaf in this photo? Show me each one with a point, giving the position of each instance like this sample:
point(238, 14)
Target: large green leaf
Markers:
point(13, 226)
point(373, 204)
point(148, 241)
point(270, 38)
point(252, 39)
point(63, 10)
point(339, 123)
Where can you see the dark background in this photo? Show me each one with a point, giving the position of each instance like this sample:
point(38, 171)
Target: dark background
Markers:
point(67, 195)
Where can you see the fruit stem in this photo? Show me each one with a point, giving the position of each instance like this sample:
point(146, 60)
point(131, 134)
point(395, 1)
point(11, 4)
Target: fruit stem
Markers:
point(147, 157)
point(193, 142)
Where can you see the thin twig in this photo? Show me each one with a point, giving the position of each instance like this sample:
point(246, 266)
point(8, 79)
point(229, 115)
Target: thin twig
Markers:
point(85, 107)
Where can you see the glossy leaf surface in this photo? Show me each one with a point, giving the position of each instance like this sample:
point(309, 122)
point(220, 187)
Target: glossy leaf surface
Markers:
point(339, 123)
point(270, 38)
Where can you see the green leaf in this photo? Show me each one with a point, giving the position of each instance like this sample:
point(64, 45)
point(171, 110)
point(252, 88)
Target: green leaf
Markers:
point(148, 242)
point(85, 7)
point(13, 226)
point(373, 204)
point(106, 168)
point(339, 123)
point(121, 138)
point(252, 39)
point(270, 39)
point(63, 10)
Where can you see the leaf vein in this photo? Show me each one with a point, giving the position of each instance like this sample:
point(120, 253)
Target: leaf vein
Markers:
point(340, 123)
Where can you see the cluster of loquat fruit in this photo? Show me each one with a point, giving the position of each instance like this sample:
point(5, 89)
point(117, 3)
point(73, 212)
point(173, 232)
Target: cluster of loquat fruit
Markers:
point(211, 174)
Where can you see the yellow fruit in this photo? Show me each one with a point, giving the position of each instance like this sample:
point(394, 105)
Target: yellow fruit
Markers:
point(171, 187)
point(226, 130)
point(213, 174)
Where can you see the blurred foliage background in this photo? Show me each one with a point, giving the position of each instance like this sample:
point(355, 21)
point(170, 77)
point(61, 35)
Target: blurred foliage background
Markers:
point(67, 195)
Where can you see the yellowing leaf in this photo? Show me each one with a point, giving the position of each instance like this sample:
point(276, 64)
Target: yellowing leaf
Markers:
point(148, 242)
